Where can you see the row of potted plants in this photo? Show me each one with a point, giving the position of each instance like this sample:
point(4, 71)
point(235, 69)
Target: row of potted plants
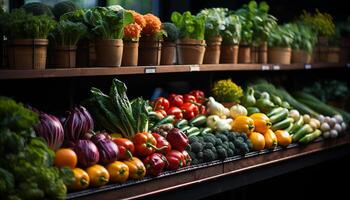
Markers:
point(114, 37)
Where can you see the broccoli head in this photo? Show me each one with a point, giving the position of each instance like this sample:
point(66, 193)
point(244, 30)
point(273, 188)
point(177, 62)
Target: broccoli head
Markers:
point(230, 153)
point(208, 155)
point(209, 138)
point(222, 137)
point(222, 152)
point(193, 139)
point(196, 147)
point(208, 145)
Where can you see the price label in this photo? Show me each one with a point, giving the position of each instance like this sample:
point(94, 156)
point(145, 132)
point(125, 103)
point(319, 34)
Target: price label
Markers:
point(265, 67)
point(276, 67)
point(150, 70)
point(308, 66)
point(194, 68)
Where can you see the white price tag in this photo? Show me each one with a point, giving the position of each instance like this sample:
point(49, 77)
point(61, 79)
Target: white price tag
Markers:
point(308, 66)
point(194, 68)
point(265, 67)
point(276, 67)
point(150, 70)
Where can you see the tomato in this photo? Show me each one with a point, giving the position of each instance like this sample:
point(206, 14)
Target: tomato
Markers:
point(99, 175)
point(137, 169)
point(66, 158)
point(118, 171)
point(258, 140)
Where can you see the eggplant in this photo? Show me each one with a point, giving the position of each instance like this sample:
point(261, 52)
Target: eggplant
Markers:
point(50, 128)
point(77, 123)
point(87, 153)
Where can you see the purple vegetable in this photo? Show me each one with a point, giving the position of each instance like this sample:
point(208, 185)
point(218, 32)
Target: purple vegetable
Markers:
point(100, 136)
point(50, 128)
point(87, 153)
point(108, 151)
point(77, 124)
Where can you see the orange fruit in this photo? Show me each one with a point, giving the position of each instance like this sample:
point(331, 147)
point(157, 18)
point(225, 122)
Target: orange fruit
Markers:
point(270, 139)
point(258, 140)
point(243, 124)
point(283, 138)
point(66, 158)
point(261, 122)
point(118, 171)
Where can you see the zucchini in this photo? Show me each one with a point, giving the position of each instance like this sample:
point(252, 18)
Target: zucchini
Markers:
point(185, 128)
point(181, 123)
point(310, 137)
point(165, 120)
point(274, 111)
point(297, 125)
point(282, 124)
point(198, 121)
point(192, 130)
point(319, 107)
point(289, 127)
point(153, 116)
point(306, 129)
point(252, 110)
point(279, 116)
point(206, 130)
point(194, 133)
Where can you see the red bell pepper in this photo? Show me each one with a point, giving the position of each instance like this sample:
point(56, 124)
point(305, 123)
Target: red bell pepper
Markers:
point(161, 103)
point(162, 143)
point(200, 97)
point(187, 157)
point(202, 109)
point(190, 98)
point(177, 139)
point(145, 144)
point(126, 148)
point(155, 164)
point(175, 159)
point(161, 113)
point(176, 100)
point(175, 111)
point(189, 110)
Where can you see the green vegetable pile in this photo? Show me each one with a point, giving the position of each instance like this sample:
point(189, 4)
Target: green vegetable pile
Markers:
point(115, 113)
point(328, 90)
point(210, 147)
point(26, 165)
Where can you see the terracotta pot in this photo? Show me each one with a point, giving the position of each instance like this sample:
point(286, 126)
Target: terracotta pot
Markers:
point(280, 55)
point(109, 52)
point(263, 53)
point(333, 55)
point(229, 53)
point(168, 55)
point(190, 51)
point(212, 51)
point(323, 54)
point(28, 53)
point(345, 50)
point(82, 53)
point(149, 51)
point(254, 54)
point(92, 54)
point(300, 56)
point(244, 54)
point(130, 53)
point(65, 57)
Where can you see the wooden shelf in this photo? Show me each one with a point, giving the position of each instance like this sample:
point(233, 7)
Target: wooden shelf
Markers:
point(109, 71)
point(218, 176)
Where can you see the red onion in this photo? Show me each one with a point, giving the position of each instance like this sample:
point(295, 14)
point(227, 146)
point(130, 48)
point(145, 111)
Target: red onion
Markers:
point(50, 128)
point(87, 153)
point(108, 151)
point(77, 124)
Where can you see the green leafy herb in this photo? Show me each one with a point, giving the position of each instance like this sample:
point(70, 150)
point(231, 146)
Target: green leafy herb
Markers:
point(190, 26)
point(68, 33)
point(214, 21)
point(304, 38)
point(322, 23)
point(171, 30)
point(281, 36)
point(232, 32)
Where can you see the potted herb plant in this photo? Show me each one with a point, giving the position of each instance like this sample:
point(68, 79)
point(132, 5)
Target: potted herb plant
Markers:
point(322, 24)
point(231, 36)
point(280, 41)
point(132, 33)
point(214, 24)
point(344, 30)
point(191, 43)
point(168, 55)
point(108, 29)
point(65, 38)
point(333, 54)
point(28, 39)
point(151, 41)
point(227, 92)
point(304, 40)
point(3, 21)
point(244, 53)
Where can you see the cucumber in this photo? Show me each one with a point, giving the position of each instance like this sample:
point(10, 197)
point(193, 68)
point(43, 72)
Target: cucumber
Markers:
point(153, 116)
point(282, 124)
point(185, 128)
point(194, 133)
point(181, 123)
point(310, 137)
point(289, 127)
point(252, 110)
point(206, 130)
point(192, 130)
point(165, 120)
point(199, 120)
point(297, 125)
point(279, 116)
point(306, 129)
point(274, 111)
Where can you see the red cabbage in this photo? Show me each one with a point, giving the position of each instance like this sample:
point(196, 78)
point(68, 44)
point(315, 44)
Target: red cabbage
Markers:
point(77, 124)
point(108, 151)
point(50, 128)
point(87, 153)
